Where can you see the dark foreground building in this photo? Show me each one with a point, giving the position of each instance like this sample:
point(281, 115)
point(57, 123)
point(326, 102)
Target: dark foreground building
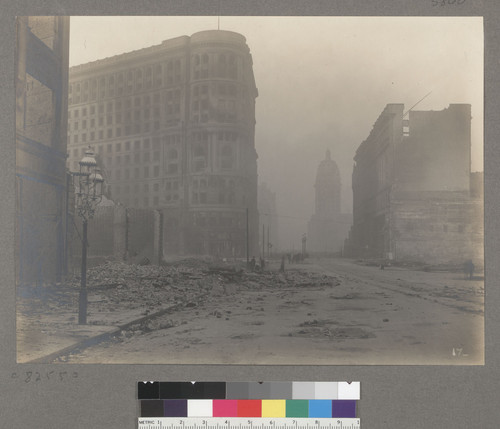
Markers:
point(414, 195)
point(328, 226)
point(173, 126)
point(41, 121)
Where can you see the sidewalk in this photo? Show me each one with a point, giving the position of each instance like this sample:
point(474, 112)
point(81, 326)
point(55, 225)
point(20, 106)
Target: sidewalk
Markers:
point(119, 295)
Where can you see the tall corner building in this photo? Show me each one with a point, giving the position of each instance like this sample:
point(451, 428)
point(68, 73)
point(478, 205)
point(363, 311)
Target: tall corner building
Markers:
point(173, 126)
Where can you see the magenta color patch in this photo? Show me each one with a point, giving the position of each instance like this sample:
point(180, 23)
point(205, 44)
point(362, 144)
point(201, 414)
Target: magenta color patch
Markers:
point(225, 408)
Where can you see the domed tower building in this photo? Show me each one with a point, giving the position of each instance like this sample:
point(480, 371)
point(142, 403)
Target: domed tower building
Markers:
point(325, 231)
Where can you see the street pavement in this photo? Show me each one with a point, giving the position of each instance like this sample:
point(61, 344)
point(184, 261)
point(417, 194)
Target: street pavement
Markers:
point(321, 311)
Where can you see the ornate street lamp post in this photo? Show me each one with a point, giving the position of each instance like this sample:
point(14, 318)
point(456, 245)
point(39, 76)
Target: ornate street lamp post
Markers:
point(89, 189)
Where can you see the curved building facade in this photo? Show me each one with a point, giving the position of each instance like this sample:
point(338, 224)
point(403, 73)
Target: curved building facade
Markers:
point(174, 126)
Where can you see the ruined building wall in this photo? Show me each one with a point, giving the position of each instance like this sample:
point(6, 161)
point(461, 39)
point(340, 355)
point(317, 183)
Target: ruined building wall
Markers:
point(438, 228)
point(435, 156)
point(414, 195)
point(372, 180)
point(119, 233)
point(41, 121)
point(174, 127)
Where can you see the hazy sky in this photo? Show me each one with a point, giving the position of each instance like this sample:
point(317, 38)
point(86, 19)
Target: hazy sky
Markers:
point(322, 82)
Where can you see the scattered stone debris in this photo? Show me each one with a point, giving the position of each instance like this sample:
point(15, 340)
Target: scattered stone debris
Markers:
point(115, 289)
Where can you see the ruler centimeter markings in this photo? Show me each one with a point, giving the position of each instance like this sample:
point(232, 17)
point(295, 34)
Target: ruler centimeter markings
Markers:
point(247, 423)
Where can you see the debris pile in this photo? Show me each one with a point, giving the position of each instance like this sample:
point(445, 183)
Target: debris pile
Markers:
point(118, 287)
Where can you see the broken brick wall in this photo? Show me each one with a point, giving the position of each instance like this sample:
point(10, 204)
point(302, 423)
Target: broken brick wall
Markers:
point(119, 233)
point(437, 228)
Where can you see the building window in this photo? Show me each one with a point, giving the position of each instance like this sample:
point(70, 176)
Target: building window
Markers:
point(226, 157)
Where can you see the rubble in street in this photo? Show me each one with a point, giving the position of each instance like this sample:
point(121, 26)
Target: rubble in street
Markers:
point(195, 310)
point(118, 286)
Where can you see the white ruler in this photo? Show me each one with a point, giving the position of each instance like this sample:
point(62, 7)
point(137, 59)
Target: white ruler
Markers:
point(247, 423)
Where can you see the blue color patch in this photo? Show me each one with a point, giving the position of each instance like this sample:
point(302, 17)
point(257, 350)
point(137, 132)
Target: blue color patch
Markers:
point(320, 408)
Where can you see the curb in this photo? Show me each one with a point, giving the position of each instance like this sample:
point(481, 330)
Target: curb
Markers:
point(88, 342)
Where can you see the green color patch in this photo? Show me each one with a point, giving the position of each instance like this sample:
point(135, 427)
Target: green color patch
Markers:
point(297, 408)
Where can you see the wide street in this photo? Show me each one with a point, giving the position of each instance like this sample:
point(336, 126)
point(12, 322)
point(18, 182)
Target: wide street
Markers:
point(322, 311)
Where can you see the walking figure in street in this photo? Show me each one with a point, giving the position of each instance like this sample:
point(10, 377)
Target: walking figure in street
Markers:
point(469, 269)
point(282, 266)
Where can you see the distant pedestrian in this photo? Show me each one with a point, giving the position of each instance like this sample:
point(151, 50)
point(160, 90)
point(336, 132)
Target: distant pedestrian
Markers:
point(252, 263)
point(469, 269)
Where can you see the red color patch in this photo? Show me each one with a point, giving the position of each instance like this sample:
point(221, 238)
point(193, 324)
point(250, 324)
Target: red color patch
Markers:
point(250, 408)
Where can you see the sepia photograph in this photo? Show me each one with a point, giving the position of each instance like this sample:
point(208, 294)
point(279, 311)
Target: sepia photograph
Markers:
point(249, 190)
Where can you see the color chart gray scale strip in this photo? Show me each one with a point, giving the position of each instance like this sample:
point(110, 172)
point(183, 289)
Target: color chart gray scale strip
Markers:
point(249, 390)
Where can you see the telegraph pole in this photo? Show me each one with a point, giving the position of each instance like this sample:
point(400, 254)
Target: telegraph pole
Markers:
point(268, 244)
point(263, 242)
point(248, 259)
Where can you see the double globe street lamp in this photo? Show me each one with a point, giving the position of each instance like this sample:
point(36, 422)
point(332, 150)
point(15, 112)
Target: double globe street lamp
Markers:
point(89, 190)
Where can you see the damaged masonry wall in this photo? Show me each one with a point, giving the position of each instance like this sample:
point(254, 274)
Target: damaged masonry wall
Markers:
point(413, 199)
point(119, 233)
point(41, 121)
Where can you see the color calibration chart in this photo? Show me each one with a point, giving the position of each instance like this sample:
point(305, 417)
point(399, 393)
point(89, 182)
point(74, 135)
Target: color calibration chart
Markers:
point(252, 405)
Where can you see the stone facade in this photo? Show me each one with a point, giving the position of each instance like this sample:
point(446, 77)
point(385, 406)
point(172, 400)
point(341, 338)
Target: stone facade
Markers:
point(328, 226)
point(415, 197)
point(173, 126)
point(41, 121)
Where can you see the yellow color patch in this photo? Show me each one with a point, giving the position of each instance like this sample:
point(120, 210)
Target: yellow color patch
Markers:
point(273, 408)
